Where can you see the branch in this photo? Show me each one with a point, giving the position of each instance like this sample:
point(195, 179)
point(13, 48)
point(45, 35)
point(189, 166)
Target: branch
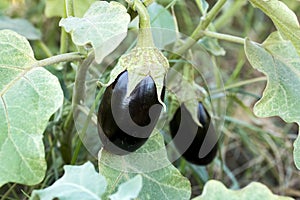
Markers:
point(198, 32)
point(79, 88)
point(67, 57)
point(225, 37)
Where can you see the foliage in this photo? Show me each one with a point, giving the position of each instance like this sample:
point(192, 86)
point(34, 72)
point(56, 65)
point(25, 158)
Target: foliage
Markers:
point(50, 49)
point(254, 191)
point(83, 182)
point(29, 96)
point(160, 178)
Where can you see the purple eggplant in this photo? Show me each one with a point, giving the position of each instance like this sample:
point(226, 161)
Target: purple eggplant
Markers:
point(196, 144)
point(125, 123)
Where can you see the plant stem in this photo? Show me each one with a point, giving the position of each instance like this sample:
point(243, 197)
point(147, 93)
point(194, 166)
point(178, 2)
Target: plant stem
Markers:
point(85, 127)
point(69, 8)
point(76, 151)
point(225, 37)
point(148, 2)
point(145, 36)
point(8, 191)
point(64, 36)
point(44, 47)
point(66, 139)
point(52, 152)
point(79, 88)
point(63, 41)
point(198, 32)
point(241, 83)
point(226, 16)
point(59, 58)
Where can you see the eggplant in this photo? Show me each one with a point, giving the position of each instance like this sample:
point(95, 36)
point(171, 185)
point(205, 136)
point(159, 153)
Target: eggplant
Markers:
point(125, 123)
point(196, 144)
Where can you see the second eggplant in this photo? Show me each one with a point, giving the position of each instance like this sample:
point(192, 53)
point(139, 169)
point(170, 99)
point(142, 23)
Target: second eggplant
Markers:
point(196, 144)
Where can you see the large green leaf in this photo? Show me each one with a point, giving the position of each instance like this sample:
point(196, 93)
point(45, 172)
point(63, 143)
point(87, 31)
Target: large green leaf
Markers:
point(83, 182)
point(104, 26)
point(29, 96)
point(78, 182)
point(161, 180)
point(215, 190)
point(284, 19)
point(21, 26)
point(279, 60)
point(56, 8)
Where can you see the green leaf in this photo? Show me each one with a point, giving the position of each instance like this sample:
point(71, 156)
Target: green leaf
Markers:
point(21, 26)
point(29, 96)
point(279, 60)
point(215, 190)
point(104, 26)
point(162, 24)
point(161, 180)
point(78, 182)
point(284, 19)
point(56, 8)
point(128, 190)
point(160, 17)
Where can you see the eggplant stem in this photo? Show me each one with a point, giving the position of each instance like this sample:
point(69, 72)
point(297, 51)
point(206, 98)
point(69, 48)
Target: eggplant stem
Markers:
point(145, 36)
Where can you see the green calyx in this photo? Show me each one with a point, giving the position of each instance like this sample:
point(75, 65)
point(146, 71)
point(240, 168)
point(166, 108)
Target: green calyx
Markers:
point(139, 63)
point(143, 60)
point(183, 90)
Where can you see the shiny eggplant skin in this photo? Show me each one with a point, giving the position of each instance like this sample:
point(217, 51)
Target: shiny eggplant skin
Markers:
point(196, 144)
point(125, 123)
